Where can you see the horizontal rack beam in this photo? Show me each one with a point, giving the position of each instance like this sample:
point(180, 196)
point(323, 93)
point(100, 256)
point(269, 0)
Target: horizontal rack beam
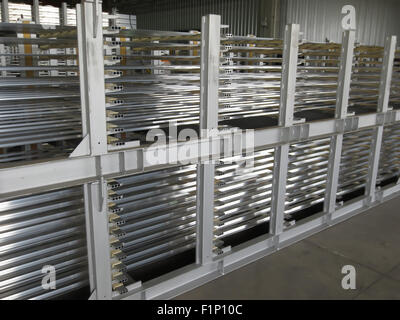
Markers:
point(42, 176)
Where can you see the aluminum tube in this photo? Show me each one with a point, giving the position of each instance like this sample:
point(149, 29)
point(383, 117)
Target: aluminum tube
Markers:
point(38, 230)
point(153, 215)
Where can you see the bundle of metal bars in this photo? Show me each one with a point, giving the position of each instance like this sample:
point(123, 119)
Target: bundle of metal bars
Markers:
point(243, 186)
point(389, 164)
point(394, 101)
point(40, 230)
point(250, 77)
point(317, 76)
point(39, 92)
point(152, 217)
point(159, 82)
point(354, 165)
point(364, 88)
point(307, 175)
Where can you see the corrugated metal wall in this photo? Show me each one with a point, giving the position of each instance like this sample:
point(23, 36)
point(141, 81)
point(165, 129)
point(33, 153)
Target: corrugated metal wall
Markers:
point(184, 15)
point(321, 19)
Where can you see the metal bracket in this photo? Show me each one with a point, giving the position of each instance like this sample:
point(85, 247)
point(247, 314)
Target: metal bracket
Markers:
point(296, 133)
point(102, 189)
point(380, 119)
point(351, 124)
point(93, 295)
point(390, 117)
point(83, 148)
point(385, 118)
point(346, 125)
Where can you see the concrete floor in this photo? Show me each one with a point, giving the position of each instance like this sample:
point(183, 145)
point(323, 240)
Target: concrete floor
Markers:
point(311, 269)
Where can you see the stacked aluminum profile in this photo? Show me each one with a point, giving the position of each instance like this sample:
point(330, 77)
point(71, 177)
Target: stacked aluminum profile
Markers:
point(152, 217)
point(40, 113)
point(243, 186)
point(394, 101)
point(364, 89)
point(317, 76)
point(389, 164)
point(250, 77)
point(307, 175)
point(40, 230)
point(159, 82)
point(49, 15)
point(354, 165)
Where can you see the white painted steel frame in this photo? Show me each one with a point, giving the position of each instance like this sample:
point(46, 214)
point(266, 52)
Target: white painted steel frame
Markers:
point(286, 115)
point(92, 169)
point(383, 102)
point(342, 101)
point(209, 84)
point(94, 131)
point(91, 68)
point(98, 240)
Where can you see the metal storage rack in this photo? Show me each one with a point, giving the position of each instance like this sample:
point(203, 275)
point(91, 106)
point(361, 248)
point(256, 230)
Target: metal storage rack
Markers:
point(314, 133)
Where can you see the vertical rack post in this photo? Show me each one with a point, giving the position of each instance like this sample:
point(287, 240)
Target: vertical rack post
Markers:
point(383, 102)
point(91, 68)
point(98, 240)
point(209, 84)
point(5, 17)
point(63, 14)
point(286, 110)
point(35, 12)
point(342, 101)
point(3, 62)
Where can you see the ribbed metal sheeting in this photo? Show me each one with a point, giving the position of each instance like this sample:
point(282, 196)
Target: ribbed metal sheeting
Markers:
point(321, 19)
point(243, 186)
point(159, 83)
point(354, 166)
point(389, 163)
point(317, 76)
point(40, 113)
point(242, 16)
point(152, 217)
point(307, 174)
point(251, 76)
point(40, 230)
point(365, 79)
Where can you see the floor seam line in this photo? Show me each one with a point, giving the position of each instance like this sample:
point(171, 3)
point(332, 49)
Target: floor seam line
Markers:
point(349, 258)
